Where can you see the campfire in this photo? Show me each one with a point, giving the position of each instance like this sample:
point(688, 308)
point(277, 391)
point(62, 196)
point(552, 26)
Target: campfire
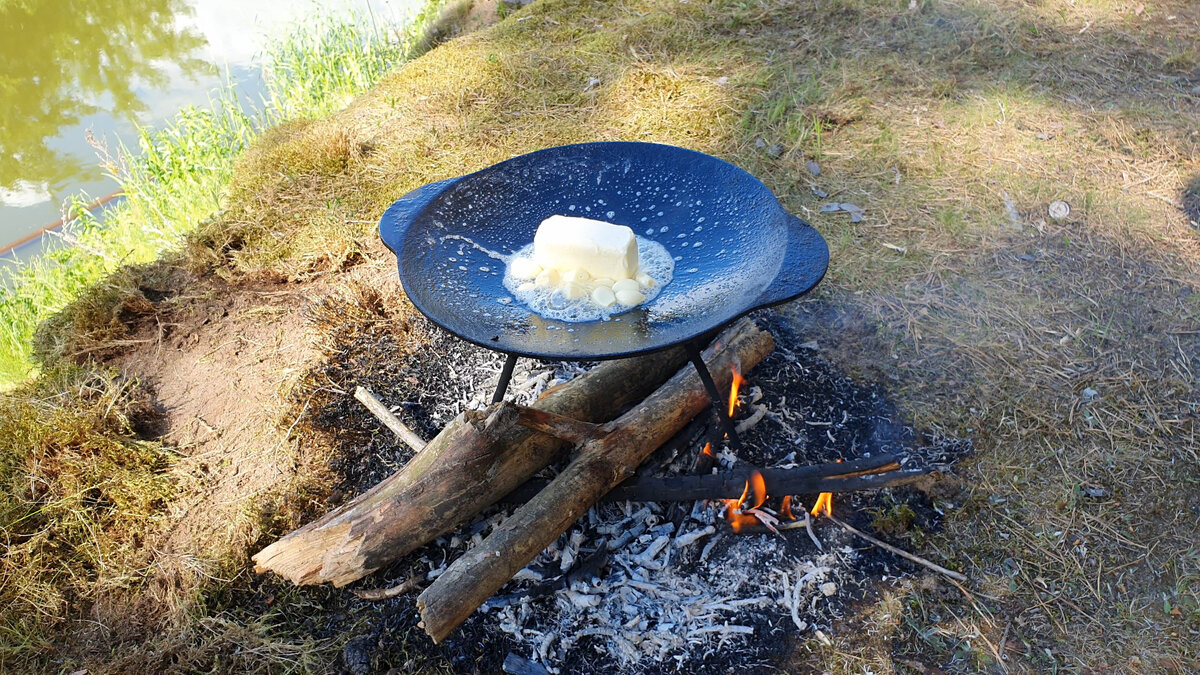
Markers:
point(696, 556)
point(665, 532)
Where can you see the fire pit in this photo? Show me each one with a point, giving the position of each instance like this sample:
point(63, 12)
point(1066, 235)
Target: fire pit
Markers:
point(736, 251)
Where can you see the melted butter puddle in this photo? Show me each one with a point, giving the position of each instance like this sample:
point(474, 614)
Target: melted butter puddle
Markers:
point(552, 302)
point(482, 249)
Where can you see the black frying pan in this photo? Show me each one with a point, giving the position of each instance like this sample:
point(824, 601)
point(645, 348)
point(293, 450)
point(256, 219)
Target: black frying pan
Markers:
point(736, 249)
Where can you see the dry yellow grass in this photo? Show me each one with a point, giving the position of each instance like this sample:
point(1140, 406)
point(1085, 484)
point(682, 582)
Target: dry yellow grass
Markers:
point(1066, 349)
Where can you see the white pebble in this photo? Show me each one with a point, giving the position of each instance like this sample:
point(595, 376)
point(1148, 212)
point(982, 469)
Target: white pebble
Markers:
point(828, 588)
point(645, 280)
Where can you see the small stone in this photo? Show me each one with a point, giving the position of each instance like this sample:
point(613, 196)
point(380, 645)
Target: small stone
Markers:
point(1059, 210)
point(760, 143)
point(722, 81)
point(775, 150)
point(593, 82)
point(831, 207)
point(813, 167)
point(856, 216)
point(828, 589)
point(1089, 394)
point(1026, 257)
point(1097, 492)
point(821, 194)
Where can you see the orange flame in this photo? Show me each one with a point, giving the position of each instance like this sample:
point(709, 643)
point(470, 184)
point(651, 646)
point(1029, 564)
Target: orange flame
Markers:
point(737, 519)
point(759, 486)
point(824, 505)
point(785, 508)
point(733, 390)
point(707, 450)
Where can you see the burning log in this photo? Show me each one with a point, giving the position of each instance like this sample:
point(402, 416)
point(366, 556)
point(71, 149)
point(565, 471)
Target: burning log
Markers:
point(868, 473)
point(470, 465)
point(600, 465)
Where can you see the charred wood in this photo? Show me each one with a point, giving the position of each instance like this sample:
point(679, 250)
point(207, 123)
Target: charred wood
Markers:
point(598, 467)
point(469, 466)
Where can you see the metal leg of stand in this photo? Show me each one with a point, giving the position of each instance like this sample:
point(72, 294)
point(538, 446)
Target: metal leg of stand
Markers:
point(718, 407)
point(505, 376)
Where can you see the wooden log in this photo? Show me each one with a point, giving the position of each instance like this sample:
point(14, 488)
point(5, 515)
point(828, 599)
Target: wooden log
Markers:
point(868, 473)
point(456, 475)
point(599, 466)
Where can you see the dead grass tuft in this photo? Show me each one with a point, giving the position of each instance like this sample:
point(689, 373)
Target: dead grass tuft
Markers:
point(81, 490)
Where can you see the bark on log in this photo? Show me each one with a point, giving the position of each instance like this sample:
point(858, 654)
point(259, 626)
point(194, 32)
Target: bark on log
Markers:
point(600, 465)
point(455, 477)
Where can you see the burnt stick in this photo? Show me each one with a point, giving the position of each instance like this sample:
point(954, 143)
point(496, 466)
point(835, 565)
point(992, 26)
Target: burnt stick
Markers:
point(863, 474)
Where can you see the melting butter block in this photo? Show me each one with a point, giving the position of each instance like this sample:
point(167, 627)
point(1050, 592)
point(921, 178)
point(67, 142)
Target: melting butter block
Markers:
point(601, 249)
point(524, 268)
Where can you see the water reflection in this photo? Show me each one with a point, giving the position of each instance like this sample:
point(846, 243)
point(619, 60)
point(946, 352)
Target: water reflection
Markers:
point(62, 61)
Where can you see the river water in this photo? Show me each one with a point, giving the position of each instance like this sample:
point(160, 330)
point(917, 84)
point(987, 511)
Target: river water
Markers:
point(71, 70)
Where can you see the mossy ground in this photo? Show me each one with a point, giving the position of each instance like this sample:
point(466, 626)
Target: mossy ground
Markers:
point(1067, 350)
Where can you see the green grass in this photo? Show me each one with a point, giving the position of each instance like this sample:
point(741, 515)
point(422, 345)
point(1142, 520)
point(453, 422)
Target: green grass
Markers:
point(178, 176)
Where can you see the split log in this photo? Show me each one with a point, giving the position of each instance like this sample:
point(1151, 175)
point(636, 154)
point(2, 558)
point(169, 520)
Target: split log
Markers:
point(868, 473)
point(598, 467)
point(469, 466)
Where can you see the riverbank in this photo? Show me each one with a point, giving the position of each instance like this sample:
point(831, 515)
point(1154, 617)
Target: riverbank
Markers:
point(177, 177)
point(202, 405)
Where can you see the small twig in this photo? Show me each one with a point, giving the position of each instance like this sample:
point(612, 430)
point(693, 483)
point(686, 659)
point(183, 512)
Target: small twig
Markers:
point(1163, 198)
point(811, 534)
point(381, 413)
point(900, 552)
point(413, 583)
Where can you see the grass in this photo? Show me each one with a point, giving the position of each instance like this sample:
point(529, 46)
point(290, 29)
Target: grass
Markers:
point(178, 176)
point(1076, 518)
point(81, 490)
point(86, 484)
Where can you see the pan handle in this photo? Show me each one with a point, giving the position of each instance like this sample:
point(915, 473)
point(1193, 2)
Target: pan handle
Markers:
point(804, 264)
point(400, 215)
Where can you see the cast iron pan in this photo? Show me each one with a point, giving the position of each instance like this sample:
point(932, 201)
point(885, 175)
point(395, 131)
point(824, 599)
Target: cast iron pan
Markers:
point(735, 248)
